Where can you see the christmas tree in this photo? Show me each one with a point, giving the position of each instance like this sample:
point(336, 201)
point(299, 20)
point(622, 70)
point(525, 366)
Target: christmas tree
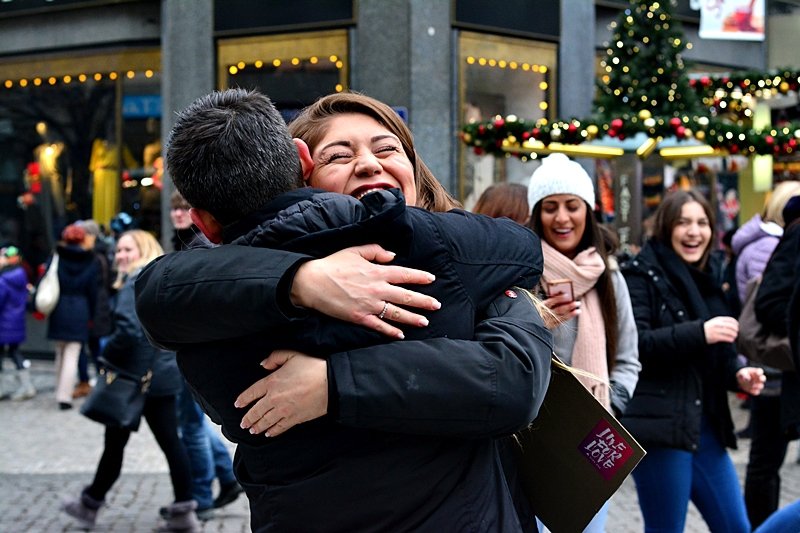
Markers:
point(644, 72)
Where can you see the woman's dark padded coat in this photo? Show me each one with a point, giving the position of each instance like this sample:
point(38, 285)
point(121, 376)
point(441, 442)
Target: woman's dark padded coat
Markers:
point(77, 278)
point(409, 442)
point(683, 378)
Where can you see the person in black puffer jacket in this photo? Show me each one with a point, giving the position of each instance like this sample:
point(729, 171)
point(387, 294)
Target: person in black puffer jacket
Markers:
point(679, 411)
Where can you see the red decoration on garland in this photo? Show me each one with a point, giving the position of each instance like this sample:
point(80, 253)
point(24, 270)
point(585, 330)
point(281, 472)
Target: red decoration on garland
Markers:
point(499, 123)
point(617, 123)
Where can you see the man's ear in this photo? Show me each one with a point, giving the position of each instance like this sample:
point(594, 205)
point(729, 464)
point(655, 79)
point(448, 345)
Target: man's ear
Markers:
point(306, 162)
point(207, 224)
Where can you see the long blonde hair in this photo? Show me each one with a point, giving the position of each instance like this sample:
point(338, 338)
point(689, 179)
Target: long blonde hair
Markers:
point(149, 249)
point(773, 210)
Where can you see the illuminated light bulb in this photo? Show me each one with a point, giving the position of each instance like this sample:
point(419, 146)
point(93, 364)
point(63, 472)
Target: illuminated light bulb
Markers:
point(502, 63)
point(482, 61)
point(333, 58)
point(543, 69)
point(9, 84)
point(23, 83)
point(313, 60)
point(492, 62)
point(112, 75)
point(513, 65)
point(470, 60)
point(130, 74)
point(258, 63)
point(37, 81)
point(67, 78)
point(339, 88)
point(543, 85)
point(277, 62)
point(295, 61)
point(542, 105)
point(148, 73)
point(241, 65)
point(51, 80)
point(233, 69)
point(339, 64)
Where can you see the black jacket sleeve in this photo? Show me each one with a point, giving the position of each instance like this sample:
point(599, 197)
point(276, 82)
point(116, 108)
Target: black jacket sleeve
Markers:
point(777, 283)
point(204, 295)
point(490, 386)
point(661, 339)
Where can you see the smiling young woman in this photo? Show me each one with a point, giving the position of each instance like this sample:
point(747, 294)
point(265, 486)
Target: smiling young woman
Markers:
point(679, 411)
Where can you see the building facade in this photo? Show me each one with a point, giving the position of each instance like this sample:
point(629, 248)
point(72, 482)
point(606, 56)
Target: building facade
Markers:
point(89, 87)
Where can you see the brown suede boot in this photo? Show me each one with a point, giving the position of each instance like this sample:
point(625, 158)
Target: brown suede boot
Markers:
point(81, 389)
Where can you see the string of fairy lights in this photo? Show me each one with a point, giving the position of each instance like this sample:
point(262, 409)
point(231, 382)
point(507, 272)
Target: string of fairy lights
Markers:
point(67, 79)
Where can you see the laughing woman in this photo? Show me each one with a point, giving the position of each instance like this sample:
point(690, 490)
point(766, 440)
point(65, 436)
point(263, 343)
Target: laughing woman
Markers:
point(679, 411)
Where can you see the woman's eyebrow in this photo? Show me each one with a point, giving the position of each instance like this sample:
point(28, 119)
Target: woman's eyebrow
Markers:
point(384, 136)
point(336, 143)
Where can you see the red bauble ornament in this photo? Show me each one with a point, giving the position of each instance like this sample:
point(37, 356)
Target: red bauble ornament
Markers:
point(499, 123)
point(769, 139)
point(792, 143)
point(674, 122)
point(733, 149)
point(572, 128)
point(680, 131)
point(612, 132)
point(481, 129)
point(536, 132)
point(477, 150)
point(616, 123)
point(526, 135)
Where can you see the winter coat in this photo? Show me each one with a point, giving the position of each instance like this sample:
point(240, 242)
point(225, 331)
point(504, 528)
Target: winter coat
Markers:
point(13, 301)
point(128, 347)
point(625, 374)
point(77, 278)
point(753, 245)
point(777, 297)
point(410, 428)
point(101, 325)
point(683, 379)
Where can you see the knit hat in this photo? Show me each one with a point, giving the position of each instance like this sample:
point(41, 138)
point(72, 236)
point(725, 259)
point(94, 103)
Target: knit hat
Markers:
point(559, 175)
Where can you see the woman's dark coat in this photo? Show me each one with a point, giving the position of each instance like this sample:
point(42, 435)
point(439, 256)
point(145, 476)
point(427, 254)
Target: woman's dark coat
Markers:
point(409, 440)
point(683, 378)
point(128, 347)
point(78, 273)
point(778, 294)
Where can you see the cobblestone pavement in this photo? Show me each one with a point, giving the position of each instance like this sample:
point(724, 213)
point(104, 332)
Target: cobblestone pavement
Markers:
point(47, 454)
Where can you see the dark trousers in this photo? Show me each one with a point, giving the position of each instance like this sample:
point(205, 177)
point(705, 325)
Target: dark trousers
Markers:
point(762, 484)
point(160, 412)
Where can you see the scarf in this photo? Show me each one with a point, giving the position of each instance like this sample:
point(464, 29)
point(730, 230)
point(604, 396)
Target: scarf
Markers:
point(589, 352)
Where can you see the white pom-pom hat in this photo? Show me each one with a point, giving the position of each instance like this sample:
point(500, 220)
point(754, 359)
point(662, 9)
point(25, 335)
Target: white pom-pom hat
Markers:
point(558, 174)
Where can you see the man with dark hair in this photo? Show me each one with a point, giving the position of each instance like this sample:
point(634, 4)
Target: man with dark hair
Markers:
point(397, 436)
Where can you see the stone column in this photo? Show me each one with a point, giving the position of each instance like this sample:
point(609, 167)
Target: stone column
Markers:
point(187, 72)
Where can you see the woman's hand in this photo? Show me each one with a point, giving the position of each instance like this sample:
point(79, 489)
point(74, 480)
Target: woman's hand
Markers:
point(296, 392)
point(751, 380)
point(721, 329)
point(563, 307)
point(349, 286)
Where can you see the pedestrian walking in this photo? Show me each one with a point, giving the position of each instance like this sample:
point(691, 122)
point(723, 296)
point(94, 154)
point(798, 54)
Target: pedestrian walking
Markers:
point(14, 293)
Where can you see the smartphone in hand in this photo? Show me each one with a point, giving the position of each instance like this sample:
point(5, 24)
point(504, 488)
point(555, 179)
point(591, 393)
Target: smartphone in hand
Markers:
point(562, 286)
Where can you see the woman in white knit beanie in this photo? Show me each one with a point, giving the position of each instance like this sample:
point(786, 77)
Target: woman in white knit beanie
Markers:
point(597, 332)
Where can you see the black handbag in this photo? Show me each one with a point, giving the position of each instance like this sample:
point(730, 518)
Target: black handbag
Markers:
point(117, 399)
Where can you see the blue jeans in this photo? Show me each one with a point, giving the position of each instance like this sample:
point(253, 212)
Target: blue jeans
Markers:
point(786, 520)
point(208, 455)
point(667, 478)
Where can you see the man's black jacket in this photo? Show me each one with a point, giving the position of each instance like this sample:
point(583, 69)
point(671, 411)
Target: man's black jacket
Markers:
point(411, 445)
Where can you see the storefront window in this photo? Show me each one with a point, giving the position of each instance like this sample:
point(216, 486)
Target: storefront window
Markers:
point(501, 76)
point(293, 70)
point(65, 142)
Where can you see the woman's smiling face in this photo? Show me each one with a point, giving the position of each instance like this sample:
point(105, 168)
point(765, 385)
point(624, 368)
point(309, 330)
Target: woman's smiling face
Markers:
point(358, 155)
point(563, 218)
point(692, 234)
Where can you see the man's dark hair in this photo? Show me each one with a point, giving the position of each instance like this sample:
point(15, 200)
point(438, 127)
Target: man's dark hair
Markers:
point(230, 153)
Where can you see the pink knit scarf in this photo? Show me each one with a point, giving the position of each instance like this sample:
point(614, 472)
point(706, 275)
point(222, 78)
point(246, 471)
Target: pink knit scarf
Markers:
point(589, 353)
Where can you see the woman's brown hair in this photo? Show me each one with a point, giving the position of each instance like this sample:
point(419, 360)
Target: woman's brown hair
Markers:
point(312, 124)
point(504, 200)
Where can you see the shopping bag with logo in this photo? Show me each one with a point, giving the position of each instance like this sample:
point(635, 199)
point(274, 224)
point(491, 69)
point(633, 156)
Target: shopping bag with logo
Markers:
point(574, 456)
